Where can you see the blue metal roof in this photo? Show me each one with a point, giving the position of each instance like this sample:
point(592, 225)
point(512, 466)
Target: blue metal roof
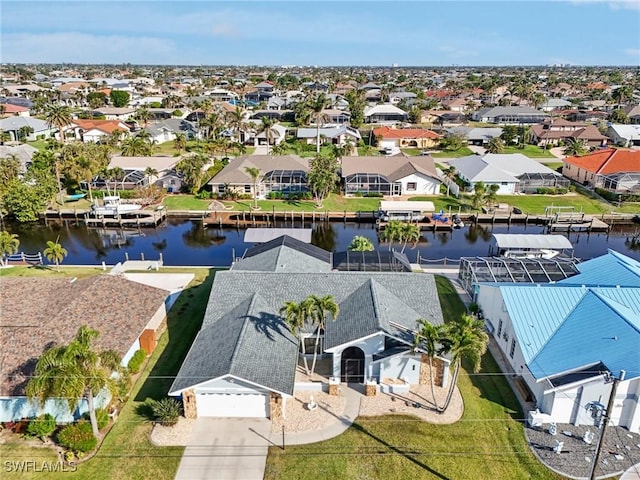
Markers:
point(611, 269)
point(592, 332)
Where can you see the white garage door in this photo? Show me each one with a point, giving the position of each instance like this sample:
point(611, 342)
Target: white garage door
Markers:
point(232, 405)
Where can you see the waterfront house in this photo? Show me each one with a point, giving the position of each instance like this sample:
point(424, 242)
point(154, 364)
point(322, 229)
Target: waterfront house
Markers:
point(166, 130)
point(561, 340)
point(337, 135)
point(40, 312)
point(384, 113)
point(510, 115)
point(616, 170)
point(136, 172)
point(555, 132)
point(22, 151)
point(94, 131)
point(243, 361)
point(395, 175)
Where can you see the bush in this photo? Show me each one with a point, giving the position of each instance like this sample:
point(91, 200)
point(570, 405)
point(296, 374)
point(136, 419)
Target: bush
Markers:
point(357, 194)
point(166, 411)
point(176, 113)
point(19, 426)
point(78, 437)
point(42, 426)
point(373, 195)
point(136, 361)
point(102, 418)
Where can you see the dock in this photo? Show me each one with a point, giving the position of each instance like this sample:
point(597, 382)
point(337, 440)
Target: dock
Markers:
point(143, 218)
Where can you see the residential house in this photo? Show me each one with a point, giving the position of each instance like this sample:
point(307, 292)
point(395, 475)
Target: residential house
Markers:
point(513, 173)
point(479, 136)
point(40, 312)
point(22, 151)
point(624, 135)
point(243, 361)
point(338, 135)
point(443, 118)
point(94, 131)
point(136, 168)
point(286, 173)
point(391, 137)
point(456, 105)
point(560, 340)
point(10, 110)
point(116, 113)
point(395, 175)
point(510, 115)
point(616, 170)
point(336, 116)
point(553, 132)
point(552, 104)
point(398, 97)
point(384, 113)
point(278, 135)
point(38, 128)
point(633, 112)
point(166, 130)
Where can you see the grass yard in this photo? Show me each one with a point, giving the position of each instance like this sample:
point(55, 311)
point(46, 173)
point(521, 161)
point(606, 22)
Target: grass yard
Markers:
point(334, 203)
point(487, 443)
point(531, 151)
point(184, 202)
point(461, 152)
point(126, 453)
point(49, 271)
point(535, 204)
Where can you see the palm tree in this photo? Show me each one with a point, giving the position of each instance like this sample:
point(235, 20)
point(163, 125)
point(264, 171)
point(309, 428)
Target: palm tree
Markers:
point(136, 146)
point(150, 173)
point(477, 198)
point(574, 147)
point(495, 145)
point(316, 106)
point(296, 314)
point(255, 175)
point(319, 308)
point(464, 338)
point(73, 371)
point(9, 244)
point(269, 131)
point(280, 149)
point(392, 232)
point(143, 115)
point(55, 252)
point(58, 116)
point(361, 244)
point(450, 174)
point(180, 142)
point(409, 233)
point(235, 121)
point(428, 338)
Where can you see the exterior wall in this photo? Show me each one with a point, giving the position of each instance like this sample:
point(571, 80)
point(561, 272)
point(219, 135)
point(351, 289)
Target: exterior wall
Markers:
point(577, 174)
point(424, 185)
point(276, 407)
point(440, 371)
point(228, 385)
point(127, 356)
point(369, 346)
point(406, 367)
point(17, 408)
point(189, 404)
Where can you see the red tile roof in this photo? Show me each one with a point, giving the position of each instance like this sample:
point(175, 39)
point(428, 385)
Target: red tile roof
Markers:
point(108, 126)
point(388, 132)
point(10, 108)
point(606, 161)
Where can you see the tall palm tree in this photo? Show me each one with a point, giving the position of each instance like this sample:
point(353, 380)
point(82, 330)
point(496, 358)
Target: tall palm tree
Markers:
point(236, 121)
point(296, 314)
point(269, 131)
point(143, 115)
point(321, 307)
point(9, 244)
point(316, 107)
point(55, 252)
point(73, 371)
point(180, 142)
point(255, 173)
point(409, 233)
point(392, 232)
point(428, 338)
point(574, 147)
point(150, 173)
point(450, 174)
point(58, 116)
point(495, 145)
point(464, 338)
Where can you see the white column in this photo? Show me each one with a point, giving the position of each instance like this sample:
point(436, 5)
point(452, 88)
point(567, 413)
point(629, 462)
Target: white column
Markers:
point(337, 357)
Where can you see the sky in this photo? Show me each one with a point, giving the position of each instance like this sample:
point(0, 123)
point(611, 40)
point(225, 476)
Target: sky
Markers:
point(323, 33)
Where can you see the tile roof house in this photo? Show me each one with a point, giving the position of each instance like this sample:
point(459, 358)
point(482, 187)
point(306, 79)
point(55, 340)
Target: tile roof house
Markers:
point(405, 137)
point(166, 130)
point(616, 170)
point(560, 339)
point(23, 152)
point(38, 312)
point(243, 361)
point(633, 112)
point(560, 130)
point(394, 175)
point(8, 110)
point(96, 130)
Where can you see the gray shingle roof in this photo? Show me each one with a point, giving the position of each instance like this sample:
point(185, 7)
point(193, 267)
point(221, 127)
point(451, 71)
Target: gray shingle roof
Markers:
point(235, 173)
point(285, 254)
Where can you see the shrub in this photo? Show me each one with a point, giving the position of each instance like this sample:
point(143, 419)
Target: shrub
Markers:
point(42, 426)
point(19, 426)
point(78, 437)
point(176, 113)
point(102, 418)
point(136, 361)
point(166, 411)
point(357, 194)
point(373, 195)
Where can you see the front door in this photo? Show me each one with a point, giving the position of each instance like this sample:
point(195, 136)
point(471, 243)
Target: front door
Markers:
point(352, 365)
point(397, 189)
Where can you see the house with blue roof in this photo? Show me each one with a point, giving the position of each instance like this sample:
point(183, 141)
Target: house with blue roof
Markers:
point(562, 339)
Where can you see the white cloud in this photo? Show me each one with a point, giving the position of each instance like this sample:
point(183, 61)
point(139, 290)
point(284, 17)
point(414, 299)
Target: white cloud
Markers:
point(86, 48)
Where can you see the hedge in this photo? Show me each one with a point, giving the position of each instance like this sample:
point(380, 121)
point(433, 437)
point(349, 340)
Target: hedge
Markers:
point(136, 361)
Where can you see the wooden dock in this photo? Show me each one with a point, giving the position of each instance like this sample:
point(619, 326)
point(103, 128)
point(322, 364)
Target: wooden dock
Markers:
point(143, 218)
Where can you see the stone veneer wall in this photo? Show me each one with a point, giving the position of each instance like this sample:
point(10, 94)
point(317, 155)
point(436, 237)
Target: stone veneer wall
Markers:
point(275, 407)
point(438, 367)
point(189, 404)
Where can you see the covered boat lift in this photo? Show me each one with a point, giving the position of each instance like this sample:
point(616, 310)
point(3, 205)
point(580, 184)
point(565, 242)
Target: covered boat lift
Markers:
point(529, 246)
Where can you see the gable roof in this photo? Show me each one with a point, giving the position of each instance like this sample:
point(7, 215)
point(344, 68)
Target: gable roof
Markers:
point(285, 254)
point(612, 269)
point(384, 109)
point(516, 164)
point(610, 160)
point(107, 126)
point(235, 173)
point(475, 169)
point(393, 167)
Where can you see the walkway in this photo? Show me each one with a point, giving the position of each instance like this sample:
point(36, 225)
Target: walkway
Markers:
point(261, 150)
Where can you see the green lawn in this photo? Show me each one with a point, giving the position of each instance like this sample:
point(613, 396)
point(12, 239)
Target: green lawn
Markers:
point(531, 151)
point(49, 271)
point(334, 203)
point(461, 152)
point(127, 453)
point(184, 202)
point(487, 443)
point(39, 144)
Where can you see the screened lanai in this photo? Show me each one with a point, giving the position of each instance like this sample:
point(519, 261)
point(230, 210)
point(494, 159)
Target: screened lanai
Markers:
point(474, 270)
point(376, 261)
point(366, 183)
point(286, 181)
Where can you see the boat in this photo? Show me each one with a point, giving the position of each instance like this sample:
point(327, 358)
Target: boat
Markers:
point(457, 221)
point(404, 211)
point(75, 197)
point(112, 206)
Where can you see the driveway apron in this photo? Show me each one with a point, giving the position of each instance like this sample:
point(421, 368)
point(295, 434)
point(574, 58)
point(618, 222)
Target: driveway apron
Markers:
point(226, 449)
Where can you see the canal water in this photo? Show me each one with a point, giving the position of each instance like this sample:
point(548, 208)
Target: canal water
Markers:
point(185, 242)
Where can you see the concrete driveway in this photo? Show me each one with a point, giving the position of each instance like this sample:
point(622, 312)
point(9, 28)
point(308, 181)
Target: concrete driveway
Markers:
point(226, 449)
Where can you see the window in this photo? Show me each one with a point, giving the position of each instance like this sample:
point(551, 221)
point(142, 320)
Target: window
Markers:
point(412, 186)
point(172, 182)
point(500, 328)
point(513, 348)
point(221, 189)
point(247, 189)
